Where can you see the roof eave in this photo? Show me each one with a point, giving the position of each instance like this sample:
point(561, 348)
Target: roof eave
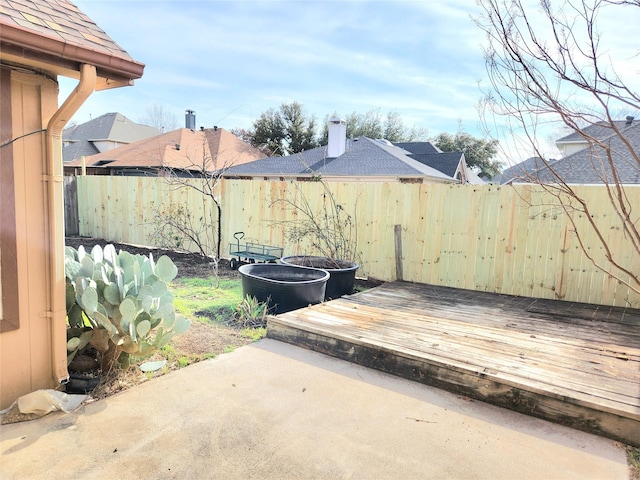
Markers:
point(23, 47)
point(347, 178)
point(566, 142)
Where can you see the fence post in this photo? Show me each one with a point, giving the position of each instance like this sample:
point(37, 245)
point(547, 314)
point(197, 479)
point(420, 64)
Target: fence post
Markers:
point(71, 220)
point(397, 232)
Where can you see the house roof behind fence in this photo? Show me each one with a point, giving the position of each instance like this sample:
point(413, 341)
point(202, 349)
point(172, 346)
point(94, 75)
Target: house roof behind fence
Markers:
point(598, 131)
point(110, 127)
point(446, 163)
point(183, 149)
point(591, 165)
point(363, 157)
point(418, 148)
point(520, 171)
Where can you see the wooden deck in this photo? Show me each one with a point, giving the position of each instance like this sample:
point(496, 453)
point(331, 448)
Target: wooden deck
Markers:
point(574, 364)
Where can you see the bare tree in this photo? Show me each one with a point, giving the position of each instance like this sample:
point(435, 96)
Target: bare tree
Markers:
point(175, 225)
point(546, 66)
point(156, 116)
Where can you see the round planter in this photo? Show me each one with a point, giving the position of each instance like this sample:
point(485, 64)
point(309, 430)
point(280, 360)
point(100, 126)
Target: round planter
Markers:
point(342, 272)
point(81, 384)
point(285, 287)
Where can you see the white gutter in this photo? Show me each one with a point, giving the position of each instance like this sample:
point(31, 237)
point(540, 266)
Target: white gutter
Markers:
point(56, 305)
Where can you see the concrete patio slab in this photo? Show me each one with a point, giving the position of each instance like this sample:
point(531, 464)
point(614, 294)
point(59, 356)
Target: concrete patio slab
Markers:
point(271, 410)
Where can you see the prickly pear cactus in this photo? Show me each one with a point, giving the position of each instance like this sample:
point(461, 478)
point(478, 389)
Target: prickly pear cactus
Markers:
point(125, 299)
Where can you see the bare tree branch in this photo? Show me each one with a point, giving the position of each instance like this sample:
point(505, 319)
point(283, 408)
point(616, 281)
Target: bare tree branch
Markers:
point(175, 225)
point(547, 65)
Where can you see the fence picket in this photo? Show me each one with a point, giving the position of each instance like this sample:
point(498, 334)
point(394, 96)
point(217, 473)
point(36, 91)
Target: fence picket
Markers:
point(498, 239)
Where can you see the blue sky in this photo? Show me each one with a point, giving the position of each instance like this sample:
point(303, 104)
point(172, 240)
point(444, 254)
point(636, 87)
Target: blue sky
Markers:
point(232, 60)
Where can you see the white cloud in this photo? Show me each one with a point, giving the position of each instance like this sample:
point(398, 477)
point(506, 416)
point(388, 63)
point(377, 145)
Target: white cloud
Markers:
point(230, 61)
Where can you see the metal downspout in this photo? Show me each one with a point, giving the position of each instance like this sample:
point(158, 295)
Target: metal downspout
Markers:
point(56, 310)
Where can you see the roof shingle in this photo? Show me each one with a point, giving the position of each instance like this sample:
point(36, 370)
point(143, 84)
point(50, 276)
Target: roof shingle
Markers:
point(589, 166)
point(56, 37)
point(183, 149)
point(59, 20)
point(363, 157)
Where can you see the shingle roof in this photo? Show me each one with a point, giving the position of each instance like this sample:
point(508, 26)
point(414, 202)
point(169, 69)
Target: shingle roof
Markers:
point(598, 131)
point(590, 165)
point(58, 34)
point(363, 157)
point(113, 127)
point(447, 162)
point(76, 150)
point(59, 20)
point(519, 171)
point(181, 149)
point(418, 148)
point(110, 126)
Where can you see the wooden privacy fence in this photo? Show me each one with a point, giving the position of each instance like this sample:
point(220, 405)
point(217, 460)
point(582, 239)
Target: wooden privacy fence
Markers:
point(508, 240)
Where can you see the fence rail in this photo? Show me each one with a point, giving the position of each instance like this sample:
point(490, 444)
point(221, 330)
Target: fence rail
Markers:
point(510, 240)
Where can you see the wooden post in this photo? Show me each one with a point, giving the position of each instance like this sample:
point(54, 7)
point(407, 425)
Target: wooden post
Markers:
point(71, 217)
point(397, 232)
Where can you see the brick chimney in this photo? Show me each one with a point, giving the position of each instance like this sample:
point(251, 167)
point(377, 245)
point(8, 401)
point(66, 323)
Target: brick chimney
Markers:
point(337, 137)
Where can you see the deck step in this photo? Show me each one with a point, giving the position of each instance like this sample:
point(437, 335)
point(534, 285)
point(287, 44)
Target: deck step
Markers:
point(583, 372)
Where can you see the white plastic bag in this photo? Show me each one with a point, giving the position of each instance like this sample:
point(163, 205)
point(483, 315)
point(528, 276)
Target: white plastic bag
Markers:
point(42, 402)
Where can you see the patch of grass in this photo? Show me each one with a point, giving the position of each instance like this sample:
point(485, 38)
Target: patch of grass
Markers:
point(212, 304)
point(633, 457)
point(254, 334)
point(200, 298)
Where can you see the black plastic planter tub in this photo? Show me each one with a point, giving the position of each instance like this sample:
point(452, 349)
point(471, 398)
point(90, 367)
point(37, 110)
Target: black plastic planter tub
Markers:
point(81, 384)
point(285, 287)
point(343, 272)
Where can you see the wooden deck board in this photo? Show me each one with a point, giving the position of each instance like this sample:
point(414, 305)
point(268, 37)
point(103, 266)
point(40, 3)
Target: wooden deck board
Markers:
point(476, 353)
point(581, 370)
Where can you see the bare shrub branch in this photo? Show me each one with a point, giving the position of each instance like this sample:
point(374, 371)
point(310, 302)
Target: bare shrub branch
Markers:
point(330, 231)
point(175, 226)
point(547, 66)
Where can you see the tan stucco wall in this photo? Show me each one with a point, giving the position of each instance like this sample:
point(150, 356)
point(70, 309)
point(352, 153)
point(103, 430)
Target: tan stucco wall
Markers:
point(1, 311)
point(26, 353)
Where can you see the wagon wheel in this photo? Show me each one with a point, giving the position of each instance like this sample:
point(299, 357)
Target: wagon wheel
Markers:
point(233, 264)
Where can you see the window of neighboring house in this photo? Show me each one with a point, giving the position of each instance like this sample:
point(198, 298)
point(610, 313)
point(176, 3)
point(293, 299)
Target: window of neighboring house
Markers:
point(9, 318)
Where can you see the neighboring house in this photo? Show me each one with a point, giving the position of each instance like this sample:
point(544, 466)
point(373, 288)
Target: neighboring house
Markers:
point(41, 40)
point(575, 142)
point(182, 151)
point(363, 159)
point(101, 134)
point(590, 165)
